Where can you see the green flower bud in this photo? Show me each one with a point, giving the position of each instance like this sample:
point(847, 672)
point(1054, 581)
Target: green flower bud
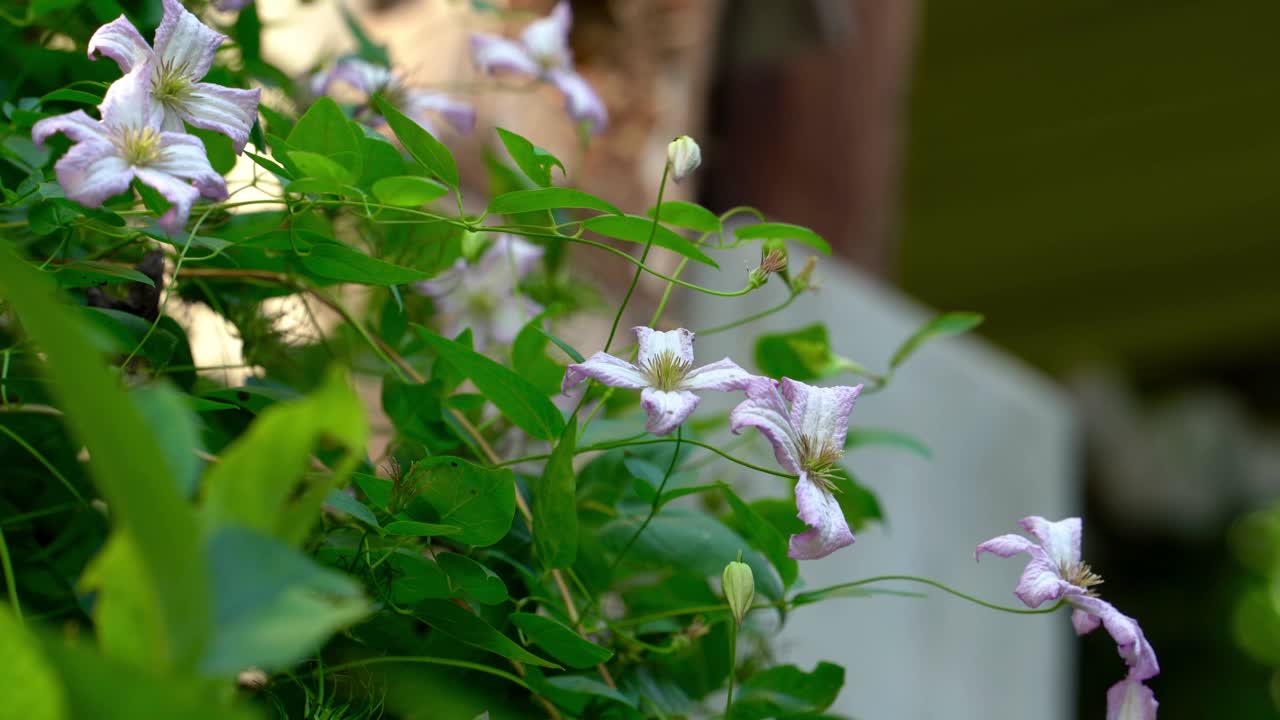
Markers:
point(739, 587)
point(473, 245)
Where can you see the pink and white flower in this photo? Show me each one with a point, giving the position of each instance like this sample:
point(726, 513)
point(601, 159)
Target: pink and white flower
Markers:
point(484, 295)
point(1055, 572)
point(182, 56)
point(808, 440)
point(664, 375)
point(368, 79)
point(130, 142)
point(543, 53)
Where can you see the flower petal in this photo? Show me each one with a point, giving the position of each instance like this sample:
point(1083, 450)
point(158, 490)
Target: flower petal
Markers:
point(820, 414)
point(654, 343)
point(666, 410)
point(120, 41)
point(765, 410)
point(92, 171)
point(508, 252)
point(184, 156)
point(128, 102)
point(580, 100)
point(185, 43)
point(1131, 643)
point(231, 5)
point(76, 125)
point(1005, 546)
point(508, 319)
point(1083, 622)
point(1041, 583)
point(1129, 699)
point(720, 375)
point(459, 114)
point(606, 368)
point(1060, 540)
point(548, 38)
point(494, 52)
point(225, 110)
point(177, 191)
point(364, 76)
point(820, 511)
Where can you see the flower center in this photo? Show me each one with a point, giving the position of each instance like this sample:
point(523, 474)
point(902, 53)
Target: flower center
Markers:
point(1080, 575)
point(140, 146)
point(170, 83)
point(819, 459)
point(666, 370)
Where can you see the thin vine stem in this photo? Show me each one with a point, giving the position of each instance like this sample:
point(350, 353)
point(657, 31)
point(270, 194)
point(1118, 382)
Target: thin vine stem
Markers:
point(45, 462)
point(428, 660)
point(9, 580)
point(614, 444)
point(653, 507)
point(812, 596)
point(644, 256)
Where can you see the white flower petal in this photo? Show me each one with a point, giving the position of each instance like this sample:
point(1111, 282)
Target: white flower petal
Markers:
point(507, 253)
point(229, 111)
point(459, 114)
point(1083, 622)
point(185, 43)
point(724, 375)
point(820, 414)
point(1129, 699)
point(76, 125)
point(494, 52)
point(666, 410)
point(655, 343)
point(120, 41)
point(128, 103)
point(177, 191)
point(818, 509)
point(363, 75)
point(184, 156)
point(1060, 540)
point(580, 100)
point(765, 410)
point(609, 370)
point(548, 38)
point(1131, 642)
point(92, 171)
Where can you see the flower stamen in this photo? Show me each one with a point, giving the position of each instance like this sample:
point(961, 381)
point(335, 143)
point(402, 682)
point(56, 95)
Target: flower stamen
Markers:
point(1082, 576)
point(140, 146)
point(819, 459)
point(666, 370)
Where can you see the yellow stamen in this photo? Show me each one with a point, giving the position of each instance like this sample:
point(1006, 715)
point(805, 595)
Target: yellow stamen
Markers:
point(140, 145)
point(1080, 575)
point(819, 459)
point(666, 370)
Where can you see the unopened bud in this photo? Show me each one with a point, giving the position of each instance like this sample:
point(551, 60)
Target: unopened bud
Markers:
point(803, 280)
point(683, 156)
point(739, 587)
point(771, 261)
point(473, 245)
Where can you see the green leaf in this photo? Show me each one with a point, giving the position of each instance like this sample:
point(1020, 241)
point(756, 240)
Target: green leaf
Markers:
point(422, 145)
point(783, 231)
point(689, 215)
point(408, 191)
point(367, 48)
point(533, 161)
point(481, 501)
point(324, 130)
point(417, 578)
point(516, 397)
point(552, 198)
point(125, 459)
point(946, 324)
point(763, 537)
point(256, 482)
point(176, 426)
point(859, 505)
point(219, 148)
point(465, 627)
point(581, 685)
point(320, 167)
point(339, 500)
point(560, 641)
point(803, 354)
point(272, 605)
point(339, 262)
point(475, 579)
point(50, 215)
point(125, 607)
point(865, 437)
point(634, 228)
point(787, 691)
point(528, 352)
point(566, 347)
point(270, 165)
point(69, 95)
point(30, 685)
point(413, 528)
point(91, 273)
point(555, 511)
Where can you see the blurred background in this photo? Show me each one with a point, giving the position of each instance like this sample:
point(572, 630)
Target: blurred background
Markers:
point(1099, 178)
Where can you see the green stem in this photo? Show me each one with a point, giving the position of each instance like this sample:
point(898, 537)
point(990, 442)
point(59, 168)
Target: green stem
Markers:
point(791, 297)
point(45, 462)
point(9, 581)
point(812, 596)
point(614, 444)
point(653, 508)
point(733, 666)
point(429, 661)
point(644, 255)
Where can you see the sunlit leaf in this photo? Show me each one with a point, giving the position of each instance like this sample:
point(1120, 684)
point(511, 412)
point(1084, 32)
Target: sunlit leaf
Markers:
point(946, 324)
point(560, 641)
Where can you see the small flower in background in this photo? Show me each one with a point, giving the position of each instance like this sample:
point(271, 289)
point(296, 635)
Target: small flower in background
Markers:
point(1055, 572)
point(416, 103)
point(543, 53)
point(183, 54)
point(665, 375)
point(808, 440)
point(683, 156)
point(129, 141)
point(231, 5)
point(483, 295)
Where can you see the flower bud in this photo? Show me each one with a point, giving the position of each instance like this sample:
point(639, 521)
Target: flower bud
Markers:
point(773, 259)
point(683, 156)
point(803, 280)
point(739, 587)
point(473, 245)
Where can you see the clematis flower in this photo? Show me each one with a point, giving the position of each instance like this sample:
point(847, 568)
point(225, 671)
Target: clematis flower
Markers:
point(230, 5)
point(665, 376)
point(483, 295)
point(543, 53)
point(182, 56)
point(129, 141)
point(369, 78)
point(808, 440)
point(1055, 572)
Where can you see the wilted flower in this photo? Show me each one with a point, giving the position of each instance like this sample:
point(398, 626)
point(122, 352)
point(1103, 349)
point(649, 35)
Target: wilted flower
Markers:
point(182, 56)
point(483, 295)
point(665, 375)
point(739, 585)
point(684, 156)
point(803, 280)
point(369, 79)
point(1055, 572)
point(808, 440)
point(129, 141)
point(772, 260)
point(543, 53)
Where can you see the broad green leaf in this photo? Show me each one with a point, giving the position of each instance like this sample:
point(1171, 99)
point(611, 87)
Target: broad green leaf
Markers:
point(422, 145)
point(464, 626)
point(272, 605)
point(91, 273)
point(413, 528)
point(479, 500)
point(783, 231)
point(29, 685)
point(382, 159)
point(339, 262)
point(560, 641)
point(69, 95)
point(270, 165)
point(417, 578)
point(143, 498)
point(803, 354)
point(568, 349)
point(859, 505)
point(946, 324)
point(124, 609)
point(52, 214)
point(787, 691)
point(533, 161)
point(529, 353)
point(552, 198)
point(320, 167)
point(689, 215)
point(866, 437)
point(408, 191)
point(177, 427)
point(255, 484)
point(763, 537)
point(475, 579)
point(634, 228)
point(555, 511)
point(339, 500)
point(514, 396)
point(582, 685)
point(219, 148)
point(325, 130)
